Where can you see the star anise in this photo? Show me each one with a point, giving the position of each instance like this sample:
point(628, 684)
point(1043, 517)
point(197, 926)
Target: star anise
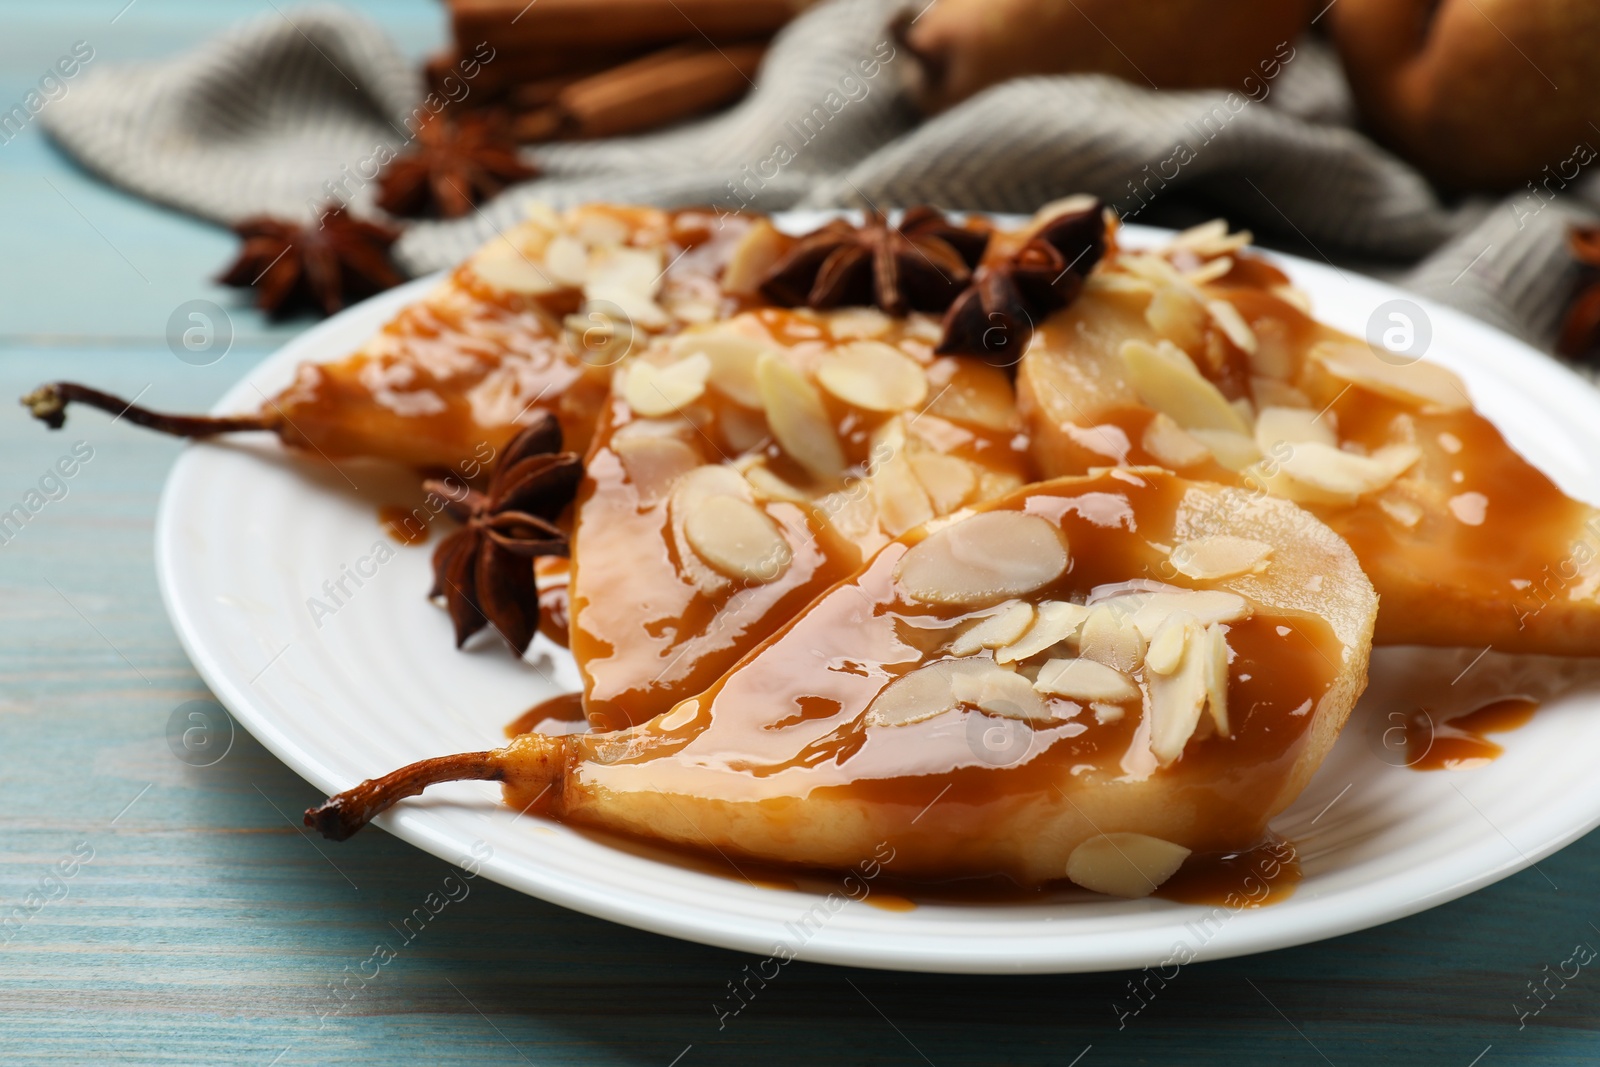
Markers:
point(455, 164)
point(484, 571)
point(996, 315)
point(325, 267)
point(1580, 330)
point(919, 265)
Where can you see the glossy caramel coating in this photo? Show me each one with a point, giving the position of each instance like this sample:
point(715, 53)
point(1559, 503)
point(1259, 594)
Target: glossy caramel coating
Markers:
point(645, 633)
point(777, 760)
point(467, 365)
point(1472, 545)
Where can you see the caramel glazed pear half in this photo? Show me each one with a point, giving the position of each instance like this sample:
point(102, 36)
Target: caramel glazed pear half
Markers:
point(1147, 718)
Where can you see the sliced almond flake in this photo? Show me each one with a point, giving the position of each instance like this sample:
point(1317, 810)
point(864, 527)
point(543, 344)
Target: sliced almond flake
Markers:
point(1231, 323)
point(1177, 316)
point(1211, 270)
point(769, 486)
point(504, 266)
point(1236, 451)
point(1210, 239)
point(1343, 475)
point(853, 517)
point(1108, 638)
point(1086, 680)
point(1146, 611)
point(888, 441)
point(567, 260)
point(1165, 654)
point(1166, 379)
point(653, 463)
point(799, 421)
point(920, 326)
point(858, 323)
point(999, 629)
point(738, 539)
point(596, 227)
point(1104, 713)
point(1056, 621)
point(1215, 652)
point(1279, 425)
point(1150, 267)
point(922, 693)
point(1175, 700)
point(627, 277)
point(1424, 384)
point(983, 559)
point(1001, 692)
point(653, 390)
point(761, 246)
point(949, 480)
point(1219, 556)
point(873, 376)
point(1124, 864)
point(733, 357)
point(901, 500)
point(690, 492)
point(1171, 445)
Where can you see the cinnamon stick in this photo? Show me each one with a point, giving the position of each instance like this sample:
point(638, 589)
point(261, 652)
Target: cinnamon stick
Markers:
point(616, 23)
point(655, 90)
point(513, 67)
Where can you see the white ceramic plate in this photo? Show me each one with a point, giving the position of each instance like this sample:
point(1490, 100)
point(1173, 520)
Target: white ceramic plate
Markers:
point(248, 534)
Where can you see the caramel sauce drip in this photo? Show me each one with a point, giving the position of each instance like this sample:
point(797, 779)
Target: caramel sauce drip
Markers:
point(1462, 742)
point(402, 525)
point(558, 711)
point(1266, 874)
point(553, 575)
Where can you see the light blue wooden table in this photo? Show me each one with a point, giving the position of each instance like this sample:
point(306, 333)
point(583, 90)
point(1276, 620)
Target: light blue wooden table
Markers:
point(205, 928)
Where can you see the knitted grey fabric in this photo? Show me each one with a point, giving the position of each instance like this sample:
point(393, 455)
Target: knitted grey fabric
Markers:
point(277, 115)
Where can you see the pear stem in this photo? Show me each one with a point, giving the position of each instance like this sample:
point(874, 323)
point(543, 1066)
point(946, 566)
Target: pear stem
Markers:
point(48, 404)
point(345, 813)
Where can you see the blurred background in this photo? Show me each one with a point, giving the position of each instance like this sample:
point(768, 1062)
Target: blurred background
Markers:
point(1446, 145)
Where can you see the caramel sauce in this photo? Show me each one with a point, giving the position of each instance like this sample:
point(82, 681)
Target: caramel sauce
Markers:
point(553, 716)
point(1462, 742)
point(645, 633)
point(1514, 567)
point(402, 525)
point(940, 794)
point(1472, 545)
point(553, 575)
point(1266, 874)
point(455, 374)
